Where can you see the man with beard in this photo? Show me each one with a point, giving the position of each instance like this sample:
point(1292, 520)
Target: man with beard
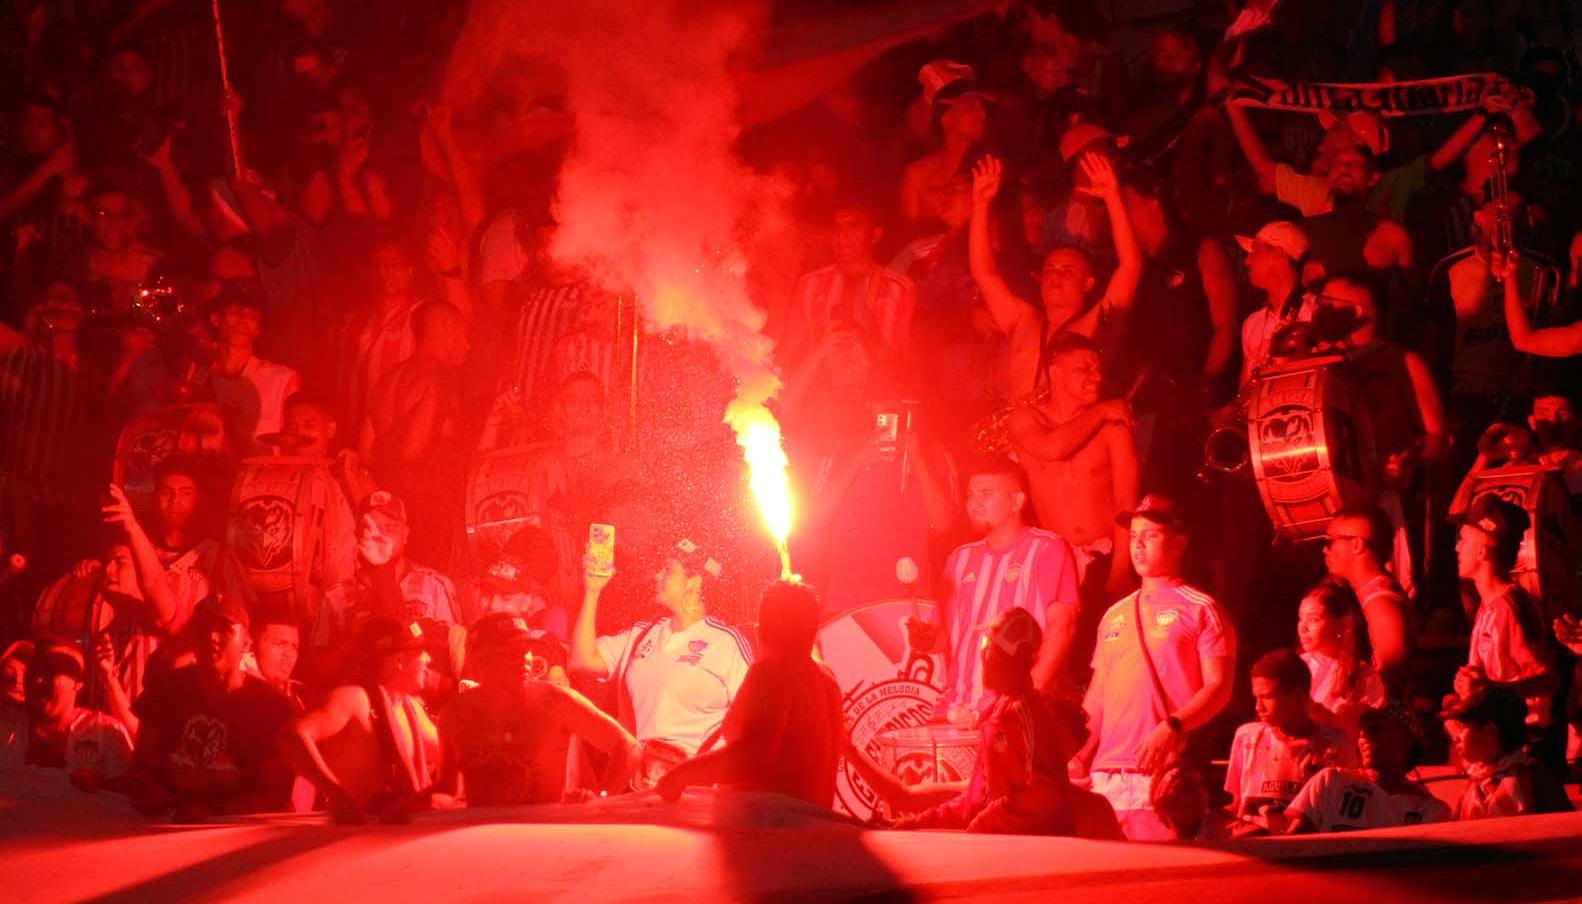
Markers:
point(1080, 458)
point(205, 746)
point(510, 735)
point(1013, 565)
point(371, 748)
point(1350, 237)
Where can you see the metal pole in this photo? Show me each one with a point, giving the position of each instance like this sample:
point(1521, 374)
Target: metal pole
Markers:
point(232, 127)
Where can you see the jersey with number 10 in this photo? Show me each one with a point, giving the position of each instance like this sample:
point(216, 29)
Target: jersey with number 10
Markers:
point(1344, 800)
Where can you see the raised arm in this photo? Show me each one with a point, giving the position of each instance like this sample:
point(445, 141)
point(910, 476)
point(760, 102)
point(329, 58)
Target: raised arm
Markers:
point(1011, 314)
point(1548, 342)
point(1251, 145)
point(585, 656)
point(151, 577)
point(1122, 288)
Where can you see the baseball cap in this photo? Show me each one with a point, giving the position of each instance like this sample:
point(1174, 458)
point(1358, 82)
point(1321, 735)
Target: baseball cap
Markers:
point(382, 635)
point(1282, 234)
point(1016, 634)
point(500, 629)
point(21, 649)
point(1161, 510)
point(1370, 131)
point(1503, 521)
point(385, 503)
point(946, 81)
point(1079, 137)
point(222, 608)
point(57, 659)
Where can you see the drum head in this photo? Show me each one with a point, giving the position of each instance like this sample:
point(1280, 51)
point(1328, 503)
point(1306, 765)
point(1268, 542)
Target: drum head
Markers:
point(884, 685)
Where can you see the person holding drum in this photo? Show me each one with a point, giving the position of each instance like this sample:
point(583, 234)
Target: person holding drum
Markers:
point(676, 675)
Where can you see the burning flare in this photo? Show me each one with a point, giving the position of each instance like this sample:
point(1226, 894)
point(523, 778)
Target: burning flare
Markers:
point(758, 433)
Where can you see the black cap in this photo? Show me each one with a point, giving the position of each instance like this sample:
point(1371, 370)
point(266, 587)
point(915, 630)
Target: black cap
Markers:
point(382, 635)
point(1161, 510)
point(1503, 521)
point(500, 629)
point(224, 609)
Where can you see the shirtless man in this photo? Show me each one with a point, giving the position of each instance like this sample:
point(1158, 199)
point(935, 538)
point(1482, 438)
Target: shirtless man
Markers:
point(510, 735)
point(371, 748)
point(1080, 459)
point(959, 112)
point(1064, 281)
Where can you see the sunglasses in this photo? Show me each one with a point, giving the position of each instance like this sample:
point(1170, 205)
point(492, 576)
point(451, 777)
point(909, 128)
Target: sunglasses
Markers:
point(1332, 539)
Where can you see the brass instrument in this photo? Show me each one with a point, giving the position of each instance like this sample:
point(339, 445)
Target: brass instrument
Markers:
point(1503, 241)
point(992, 435)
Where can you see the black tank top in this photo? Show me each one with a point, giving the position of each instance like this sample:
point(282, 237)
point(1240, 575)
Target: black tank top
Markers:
point(1336, 239)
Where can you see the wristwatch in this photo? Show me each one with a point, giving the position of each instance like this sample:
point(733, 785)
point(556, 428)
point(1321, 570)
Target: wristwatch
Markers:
point(1175, 724)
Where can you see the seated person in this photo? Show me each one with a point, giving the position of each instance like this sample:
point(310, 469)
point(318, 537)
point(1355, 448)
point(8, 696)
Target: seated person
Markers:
point(783, 731)
point(1489, 730)
point(275, 652)
point(510, 735)
point(1344, 682)
point(1272, 758)
point(94, 748)
point(1019, 783)
point(1380, 795)
point(206, 742)
point(13, 683)
point(1179, 796)
point(371, 748)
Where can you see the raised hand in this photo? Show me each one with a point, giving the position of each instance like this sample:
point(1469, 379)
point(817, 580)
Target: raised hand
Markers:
point(986, 179)
point(1102, 182)
point(119, 510)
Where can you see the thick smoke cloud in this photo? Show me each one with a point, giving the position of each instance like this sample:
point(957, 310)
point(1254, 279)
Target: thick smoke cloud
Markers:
point(652, 197)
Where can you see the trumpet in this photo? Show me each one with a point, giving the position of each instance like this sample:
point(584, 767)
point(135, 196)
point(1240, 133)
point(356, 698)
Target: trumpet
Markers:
point(992, 435)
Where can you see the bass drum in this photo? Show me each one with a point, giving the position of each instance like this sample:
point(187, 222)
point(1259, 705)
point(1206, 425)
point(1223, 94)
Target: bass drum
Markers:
point(499, 498)
point(1546, 565)
point(885, 686)
point(933, 753)
point(149, 439)
point(278, 515)
point(1311, 451)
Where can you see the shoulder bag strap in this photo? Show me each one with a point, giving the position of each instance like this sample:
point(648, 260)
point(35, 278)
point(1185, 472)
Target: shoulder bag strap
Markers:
point(1142, 642)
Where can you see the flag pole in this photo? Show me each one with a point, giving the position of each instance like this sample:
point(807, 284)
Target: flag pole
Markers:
point(231, 124)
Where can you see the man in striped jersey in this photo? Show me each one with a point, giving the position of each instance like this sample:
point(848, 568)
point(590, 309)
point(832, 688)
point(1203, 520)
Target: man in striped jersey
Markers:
point(1144, 699)
point(1013, 565)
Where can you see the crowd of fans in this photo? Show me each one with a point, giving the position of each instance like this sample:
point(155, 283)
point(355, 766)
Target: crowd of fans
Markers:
point(1040, 259)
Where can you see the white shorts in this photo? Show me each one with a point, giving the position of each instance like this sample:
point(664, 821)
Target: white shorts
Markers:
point(1125, 789)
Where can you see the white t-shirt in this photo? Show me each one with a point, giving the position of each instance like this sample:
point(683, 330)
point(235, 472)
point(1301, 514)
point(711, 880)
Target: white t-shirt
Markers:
point(1332, 692)
point(94, 740)
point(501, 257)
point(1267, 767)
point(1257, 334)
point(256, 398)
point(680, 683)
point(1344, 800)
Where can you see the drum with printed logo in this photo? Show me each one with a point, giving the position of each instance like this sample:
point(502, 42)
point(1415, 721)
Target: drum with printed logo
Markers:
point(1546, 565)
point(149, 439)
point(1311, 453)
point(499, 498)
point(885, 686)
point(277, 524)
point(933, 753)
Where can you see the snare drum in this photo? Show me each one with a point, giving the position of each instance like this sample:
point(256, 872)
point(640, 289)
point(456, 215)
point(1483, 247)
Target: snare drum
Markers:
point(885, 685)
point(277, 526)
point(1546, 565)
point(932, 753)
point(1310, 448)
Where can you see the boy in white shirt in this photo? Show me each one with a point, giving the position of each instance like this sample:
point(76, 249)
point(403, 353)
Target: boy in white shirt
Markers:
point(1380, 795)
